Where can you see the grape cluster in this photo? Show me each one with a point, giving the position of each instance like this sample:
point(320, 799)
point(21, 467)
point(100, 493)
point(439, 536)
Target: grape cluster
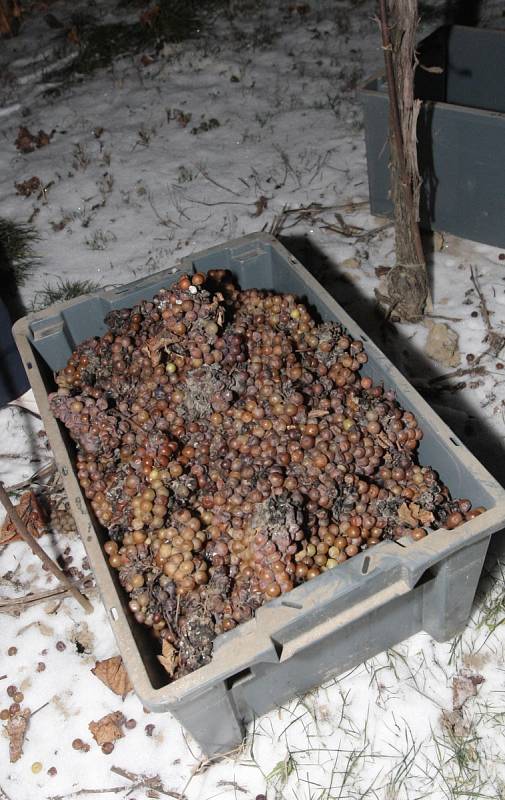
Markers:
point(232, 447)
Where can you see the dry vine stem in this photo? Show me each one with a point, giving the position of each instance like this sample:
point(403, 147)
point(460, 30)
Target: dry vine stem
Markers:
point(39, 552)
point(407, 282)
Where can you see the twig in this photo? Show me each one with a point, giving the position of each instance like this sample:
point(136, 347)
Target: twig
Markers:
point(79, 792)
point(47, 470)
point(3, 794)
point(153, 782)
point(459, 373)
point(15, 455)
point(32, 599)
point(207, 177)
point(482, 301)
point(163, 221)
point(124, 773)
point(39, 709)
point(38, 551)
point(443, 316)
point(495, 340)
point(374, 231)
point(234, 784)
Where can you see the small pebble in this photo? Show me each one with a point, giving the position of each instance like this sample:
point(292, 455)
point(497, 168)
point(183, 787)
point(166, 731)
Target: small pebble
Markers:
point(14, 708)
point(36, 767)
point(41, 666)
point(77, 744)
point(12, 651)
point(61, 646)
point(18, 697)
point(107, 748)
point(4, 713)
point(149, 729)
point(130, 724)
point(11, 690)
point(52, 771)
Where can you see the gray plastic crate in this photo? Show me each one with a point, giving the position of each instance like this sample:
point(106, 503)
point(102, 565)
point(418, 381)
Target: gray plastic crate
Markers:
point(323, 627)
point(460, 133)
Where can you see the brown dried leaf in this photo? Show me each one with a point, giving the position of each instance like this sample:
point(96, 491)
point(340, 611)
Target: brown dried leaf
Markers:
point(425, 517)
point(464, 686)
point(455, 723)
point(169, 658)
point(442, 344)
point(405, 516)
point(27, 188)
point(108, 728)
point(261, 204)
point(112, 672)
point(32, 514)
point(16, 729)
point(26, 142)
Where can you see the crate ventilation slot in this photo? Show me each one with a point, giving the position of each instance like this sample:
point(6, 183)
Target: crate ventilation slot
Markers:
point(365, 565)
point(290, 604)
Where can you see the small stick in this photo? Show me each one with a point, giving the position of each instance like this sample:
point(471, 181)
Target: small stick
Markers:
point(41, 473)
point(30, 599)
point(38, 551)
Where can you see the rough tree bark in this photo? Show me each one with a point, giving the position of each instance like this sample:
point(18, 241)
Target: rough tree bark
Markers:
point(407, 283)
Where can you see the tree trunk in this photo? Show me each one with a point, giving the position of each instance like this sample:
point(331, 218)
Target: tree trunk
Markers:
point(407, 282)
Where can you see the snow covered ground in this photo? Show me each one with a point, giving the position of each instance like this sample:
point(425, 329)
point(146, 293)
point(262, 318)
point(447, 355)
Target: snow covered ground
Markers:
point(148, 162)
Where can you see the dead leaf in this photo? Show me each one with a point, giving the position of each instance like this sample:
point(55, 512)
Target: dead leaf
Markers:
point(455, 723)
point(464, 686)
point(350, 263)
point(108, 728)
point(16, 729)
point(112, 672)
point(27, 142)
point(382, 271)
point(169, 658)
point(44, 629)
point(405, 516)
point(412, 514)
point(261, 204)
point(442, 344)
point(32, 514)
point(82, 637)
point(31, 186)
point(9, 18)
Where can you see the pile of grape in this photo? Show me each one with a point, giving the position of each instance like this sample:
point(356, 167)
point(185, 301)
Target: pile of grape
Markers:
point(234, 447)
